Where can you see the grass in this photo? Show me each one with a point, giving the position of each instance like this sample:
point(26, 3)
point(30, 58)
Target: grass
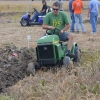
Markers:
point(4, 97)
point(80, 83)
point(64, 85)
point(12, 8)
point(23, 8)
point(18, 10)
point(90, 57)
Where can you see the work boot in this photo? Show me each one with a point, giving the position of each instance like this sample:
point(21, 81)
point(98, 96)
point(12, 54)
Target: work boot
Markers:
point(69, 54)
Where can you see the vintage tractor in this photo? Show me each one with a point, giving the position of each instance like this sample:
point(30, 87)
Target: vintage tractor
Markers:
point(50, 51)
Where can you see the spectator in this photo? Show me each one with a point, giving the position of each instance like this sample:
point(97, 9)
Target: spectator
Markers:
point(93, 13)
point(61, 4)
point(77, 6)
point(41, 13)
point(72, 16)
point(59, 19)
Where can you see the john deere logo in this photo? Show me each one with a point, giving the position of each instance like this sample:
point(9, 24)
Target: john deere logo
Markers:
point(45, 48)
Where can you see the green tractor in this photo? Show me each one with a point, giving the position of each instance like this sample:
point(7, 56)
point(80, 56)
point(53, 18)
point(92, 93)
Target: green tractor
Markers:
point(50, 51)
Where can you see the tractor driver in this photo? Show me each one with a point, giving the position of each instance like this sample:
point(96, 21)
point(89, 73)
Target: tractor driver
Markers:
point(41, 13)
point(59, 19)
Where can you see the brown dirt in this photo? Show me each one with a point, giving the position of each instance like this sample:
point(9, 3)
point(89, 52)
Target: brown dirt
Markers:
point(13, 64)
point(14, 33)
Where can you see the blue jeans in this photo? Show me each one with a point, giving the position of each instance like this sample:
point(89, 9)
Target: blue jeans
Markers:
point(93, 20)
point(78, 18)
point(72, 22)
point(35, 17)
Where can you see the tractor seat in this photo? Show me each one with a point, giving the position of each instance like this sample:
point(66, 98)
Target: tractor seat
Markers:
point(49, 9)
point(63, 42)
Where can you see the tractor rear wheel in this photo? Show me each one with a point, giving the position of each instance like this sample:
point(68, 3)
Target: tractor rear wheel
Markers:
point(77, 53)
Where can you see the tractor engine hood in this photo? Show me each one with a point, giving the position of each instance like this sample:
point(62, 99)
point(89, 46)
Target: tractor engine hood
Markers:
point(49, 39)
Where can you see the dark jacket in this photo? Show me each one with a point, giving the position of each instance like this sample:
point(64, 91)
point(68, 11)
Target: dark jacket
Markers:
point(70, 6)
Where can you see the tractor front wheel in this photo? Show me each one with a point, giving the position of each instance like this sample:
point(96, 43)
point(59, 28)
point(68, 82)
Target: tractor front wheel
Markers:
point(24, 22)
point(31, 69)
point(66, 61)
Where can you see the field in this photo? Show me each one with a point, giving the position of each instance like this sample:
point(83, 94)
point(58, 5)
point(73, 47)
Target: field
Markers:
point(82, 82)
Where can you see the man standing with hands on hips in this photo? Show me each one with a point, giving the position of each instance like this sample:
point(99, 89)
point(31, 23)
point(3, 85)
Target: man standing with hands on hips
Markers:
point(59, 19)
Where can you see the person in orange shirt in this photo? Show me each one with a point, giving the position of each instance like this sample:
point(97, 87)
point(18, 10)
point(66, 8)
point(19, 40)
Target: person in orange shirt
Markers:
point(77, 6)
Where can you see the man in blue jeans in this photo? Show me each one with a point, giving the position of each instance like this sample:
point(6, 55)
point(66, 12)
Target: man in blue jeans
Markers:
point(72, 16)
point(93, 12)
point(61, 4)
point(77, 6)
point(41, 13)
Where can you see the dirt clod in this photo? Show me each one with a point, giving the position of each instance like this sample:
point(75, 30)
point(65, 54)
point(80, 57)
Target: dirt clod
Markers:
point(13, 68)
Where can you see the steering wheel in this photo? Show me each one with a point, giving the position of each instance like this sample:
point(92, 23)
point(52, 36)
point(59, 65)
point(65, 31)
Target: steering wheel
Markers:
point(53, 31)
point(35, 10)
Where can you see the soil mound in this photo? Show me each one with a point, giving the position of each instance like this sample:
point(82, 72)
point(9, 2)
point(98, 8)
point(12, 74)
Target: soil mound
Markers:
point(13, 64)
